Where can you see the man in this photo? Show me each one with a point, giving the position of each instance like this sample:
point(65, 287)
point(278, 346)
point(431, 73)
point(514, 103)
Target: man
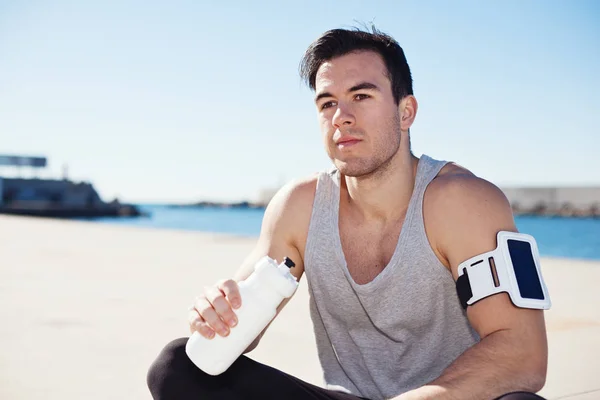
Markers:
point(380, 238)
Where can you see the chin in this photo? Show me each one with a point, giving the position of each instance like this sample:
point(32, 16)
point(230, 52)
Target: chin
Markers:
point(354, 169)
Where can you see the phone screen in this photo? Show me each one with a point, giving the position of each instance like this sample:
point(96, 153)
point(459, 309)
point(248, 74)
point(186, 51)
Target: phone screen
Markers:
point(528, 280)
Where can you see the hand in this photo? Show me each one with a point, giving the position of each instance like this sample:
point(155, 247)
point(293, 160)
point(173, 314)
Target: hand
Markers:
point(213, 310)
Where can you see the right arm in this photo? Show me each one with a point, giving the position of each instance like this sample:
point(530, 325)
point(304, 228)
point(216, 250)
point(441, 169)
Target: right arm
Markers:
point(283, 234)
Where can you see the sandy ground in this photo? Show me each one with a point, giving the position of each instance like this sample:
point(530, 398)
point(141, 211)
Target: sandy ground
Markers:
point(85, 308)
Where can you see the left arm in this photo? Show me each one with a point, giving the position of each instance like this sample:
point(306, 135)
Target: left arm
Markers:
point(513, 352)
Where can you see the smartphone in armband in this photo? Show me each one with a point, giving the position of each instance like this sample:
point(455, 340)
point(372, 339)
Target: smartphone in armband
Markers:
point(513, 267)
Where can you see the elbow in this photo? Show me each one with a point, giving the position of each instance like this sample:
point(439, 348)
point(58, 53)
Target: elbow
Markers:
point(534, 381)
point(534, 372)
point(538, 379)
point(532, 362)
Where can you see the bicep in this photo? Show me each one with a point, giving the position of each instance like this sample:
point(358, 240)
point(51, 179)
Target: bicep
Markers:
point(286, 218)
point(478, 211)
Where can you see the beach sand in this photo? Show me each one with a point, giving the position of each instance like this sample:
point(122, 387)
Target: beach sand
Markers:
point(85, 308)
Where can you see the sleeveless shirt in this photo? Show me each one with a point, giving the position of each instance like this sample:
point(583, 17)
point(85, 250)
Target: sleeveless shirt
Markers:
point(397, 332)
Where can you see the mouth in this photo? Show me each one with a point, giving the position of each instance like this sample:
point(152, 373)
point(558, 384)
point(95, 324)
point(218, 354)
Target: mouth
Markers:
point(345, 143)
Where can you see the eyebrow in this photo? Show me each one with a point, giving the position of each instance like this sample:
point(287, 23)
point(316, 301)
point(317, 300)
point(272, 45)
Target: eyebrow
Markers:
point(360, 86)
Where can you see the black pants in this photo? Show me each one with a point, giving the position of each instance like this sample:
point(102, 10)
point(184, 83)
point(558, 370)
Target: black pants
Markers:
point(172, 376)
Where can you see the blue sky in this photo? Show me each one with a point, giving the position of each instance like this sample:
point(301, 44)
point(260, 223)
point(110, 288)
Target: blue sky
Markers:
point(189, 100)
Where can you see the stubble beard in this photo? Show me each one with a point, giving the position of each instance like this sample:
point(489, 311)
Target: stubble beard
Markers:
point(379, 162)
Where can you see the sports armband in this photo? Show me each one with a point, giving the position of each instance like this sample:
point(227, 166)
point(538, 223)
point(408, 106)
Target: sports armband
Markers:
point(513, 267)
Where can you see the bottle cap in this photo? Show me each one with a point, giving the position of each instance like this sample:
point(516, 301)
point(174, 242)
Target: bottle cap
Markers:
point(288, 262)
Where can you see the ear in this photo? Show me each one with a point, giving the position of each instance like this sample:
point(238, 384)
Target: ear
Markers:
point(408, 111)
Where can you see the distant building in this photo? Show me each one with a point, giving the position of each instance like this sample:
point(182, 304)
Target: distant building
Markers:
point(565, 201)
point(53, 197)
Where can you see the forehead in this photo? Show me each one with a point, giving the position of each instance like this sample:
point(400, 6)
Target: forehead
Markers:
point(350, 69)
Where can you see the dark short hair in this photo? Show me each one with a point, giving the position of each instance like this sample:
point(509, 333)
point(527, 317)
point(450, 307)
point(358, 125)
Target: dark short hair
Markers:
point(338, 42)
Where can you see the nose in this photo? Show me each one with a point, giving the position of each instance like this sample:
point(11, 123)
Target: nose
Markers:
point(343, 116)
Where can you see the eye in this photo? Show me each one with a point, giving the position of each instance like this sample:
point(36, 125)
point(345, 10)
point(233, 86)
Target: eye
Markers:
point(361, 96)
point(327, 105)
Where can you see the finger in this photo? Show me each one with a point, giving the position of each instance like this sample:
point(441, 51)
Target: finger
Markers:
point(210, 316)
point(232, 292)
point(197, 324)
point(221, 306)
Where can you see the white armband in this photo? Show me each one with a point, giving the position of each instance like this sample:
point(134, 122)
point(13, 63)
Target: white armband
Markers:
point(513, 267)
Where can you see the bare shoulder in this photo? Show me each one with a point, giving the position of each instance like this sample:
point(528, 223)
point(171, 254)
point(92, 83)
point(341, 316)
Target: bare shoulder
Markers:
point(463, 213)
point(294, 200)
point(296, 193)
point(456, 187)
point(288, 213)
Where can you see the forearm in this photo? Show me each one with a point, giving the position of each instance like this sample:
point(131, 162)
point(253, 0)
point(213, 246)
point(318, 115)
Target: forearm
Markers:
point(498, 364)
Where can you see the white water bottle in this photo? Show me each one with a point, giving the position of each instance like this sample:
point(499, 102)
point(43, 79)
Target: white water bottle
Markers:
point(261, 293)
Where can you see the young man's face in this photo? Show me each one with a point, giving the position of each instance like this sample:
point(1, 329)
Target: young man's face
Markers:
point(359, 119)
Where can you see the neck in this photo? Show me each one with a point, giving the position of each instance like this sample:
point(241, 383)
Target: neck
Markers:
point(384, 195)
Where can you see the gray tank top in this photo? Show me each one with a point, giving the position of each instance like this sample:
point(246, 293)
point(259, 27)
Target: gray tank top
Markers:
point(397, 332)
